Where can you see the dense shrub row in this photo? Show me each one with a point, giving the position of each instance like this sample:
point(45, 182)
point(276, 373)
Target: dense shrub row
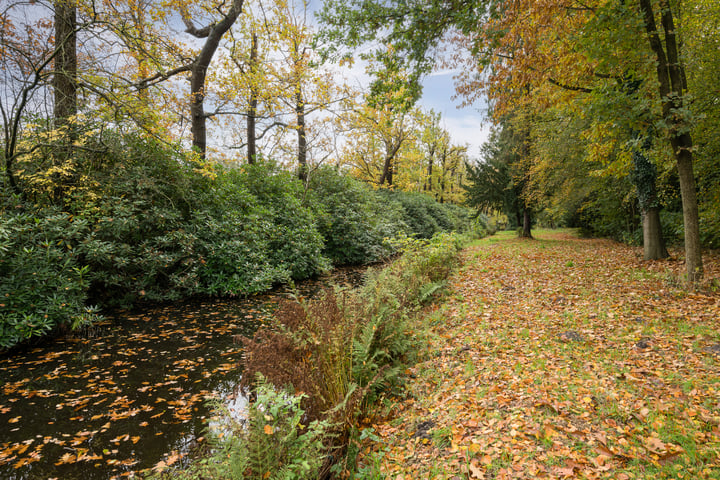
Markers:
point(321, 365)
point(142, 222)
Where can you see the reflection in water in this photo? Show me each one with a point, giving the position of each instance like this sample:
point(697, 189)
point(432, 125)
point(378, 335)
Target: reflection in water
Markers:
point(129, 394)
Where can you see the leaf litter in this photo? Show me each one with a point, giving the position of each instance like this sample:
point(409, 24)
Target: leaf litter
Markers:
point(560, 358)
point(130, 396)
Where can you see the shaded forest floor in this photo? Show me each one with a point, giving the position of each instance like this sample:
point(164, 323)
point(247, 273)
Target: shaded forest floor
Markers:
point(560, 358)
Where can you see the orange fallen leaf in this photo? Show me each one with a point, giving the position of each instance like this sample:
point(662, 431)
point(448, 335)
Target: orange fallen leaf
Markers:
point(160, 466)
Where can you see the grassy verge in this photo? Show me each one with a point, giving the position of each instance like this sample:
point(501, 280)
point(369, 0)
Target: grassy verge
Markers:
point(560, 358)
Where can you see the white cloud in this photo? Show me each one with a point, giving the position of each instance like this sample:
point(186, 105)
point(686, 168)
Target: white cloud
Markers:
point(467, 129)
point(466, 125)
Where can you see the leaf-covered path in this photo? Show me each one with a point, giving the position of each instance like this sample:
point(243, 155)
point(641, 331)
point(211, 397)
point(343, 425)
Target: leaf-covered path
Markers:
point(560, 358)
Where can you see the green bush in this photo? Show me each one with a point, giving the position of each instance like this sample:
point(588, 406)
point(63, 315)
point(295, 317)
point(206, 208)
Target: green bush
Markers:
point(140, 220)
point(163, 230)
point(294, 240)
point(425, 217)
point(272, 443)
point(352, 219)
point(422, 214)
point(42, 284)
point(610, 212)
point(234, 256)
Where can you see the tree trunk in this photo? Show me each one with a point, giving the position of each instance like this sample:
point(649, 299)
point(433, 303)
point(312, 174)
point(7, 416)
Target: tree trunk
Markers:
point(64, 80)
point(387, 175)
point(197, 110)
point(671, 88)
point(64, 83)
point(693, 255)
point(253, 103)
point(653, 241)
point(137, 13)
point(428, 183)
point(526, 223)
point(443, 159)
point(199, 68)
point(302, 139)
point(644, 177)
point(391, 149)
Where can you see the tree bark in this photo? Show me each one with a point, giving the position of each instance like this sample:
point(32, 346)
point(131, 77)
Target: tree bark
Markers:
point(526, 223)
point(670, 76)
point(644, 177)
point(653, 241)
point(302, 139)
point(253, 103)
point(431, 158)
point(391, 149)
point(693, 253)
point(64, 80)
point(443, 159)
point(387, 173)
point(300, 113)
point(199, 68)
point(64, 83)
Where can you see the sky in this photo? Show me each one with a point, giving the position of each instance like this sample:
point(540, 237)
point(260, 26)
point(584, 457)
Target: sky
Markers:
point(466, 125)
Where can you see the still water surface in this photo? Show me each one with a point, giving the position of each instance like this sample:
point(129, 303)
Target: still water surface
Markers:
point(128, 394)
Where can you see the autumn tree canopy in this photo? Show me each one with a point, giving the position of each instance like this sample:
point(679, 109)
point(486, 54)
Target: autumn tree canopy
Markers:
point(527, 54)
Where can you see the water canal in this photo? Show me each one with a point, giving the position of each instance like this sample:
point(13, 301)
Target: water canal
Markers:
point(128, 394)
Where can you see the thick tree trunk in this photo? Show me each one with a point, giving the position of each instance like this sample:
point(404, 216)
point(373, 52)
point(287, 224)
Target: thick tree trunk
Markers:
point(693, 255)
point(526, 224)
point(253, 103)
point(64, 82)
point(387, 173)
point(644, 177)
point(199, 68)
point(391, 149)
point(65, 78)
point(197, 110)
point(653, 241)
point(671, 88)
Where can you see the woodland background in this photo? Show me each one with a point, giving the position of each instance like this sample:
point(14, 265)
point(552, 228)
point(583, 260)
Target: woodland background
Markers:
point(159, 150)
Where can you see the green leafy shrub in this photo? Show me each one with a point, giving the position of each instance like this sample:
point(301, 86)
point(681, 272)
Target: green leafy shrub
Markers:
point(273, 443)
point(352, 219)
point(164, 230)
point(235, 238)
point(43, 286)
point(422, 214)
point(610, 212)
point(425, 217)
point(294, 240)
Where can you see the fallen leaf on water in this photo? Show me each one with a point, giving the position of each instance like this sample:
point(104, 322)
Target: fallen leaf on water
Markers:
point(160, 466)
